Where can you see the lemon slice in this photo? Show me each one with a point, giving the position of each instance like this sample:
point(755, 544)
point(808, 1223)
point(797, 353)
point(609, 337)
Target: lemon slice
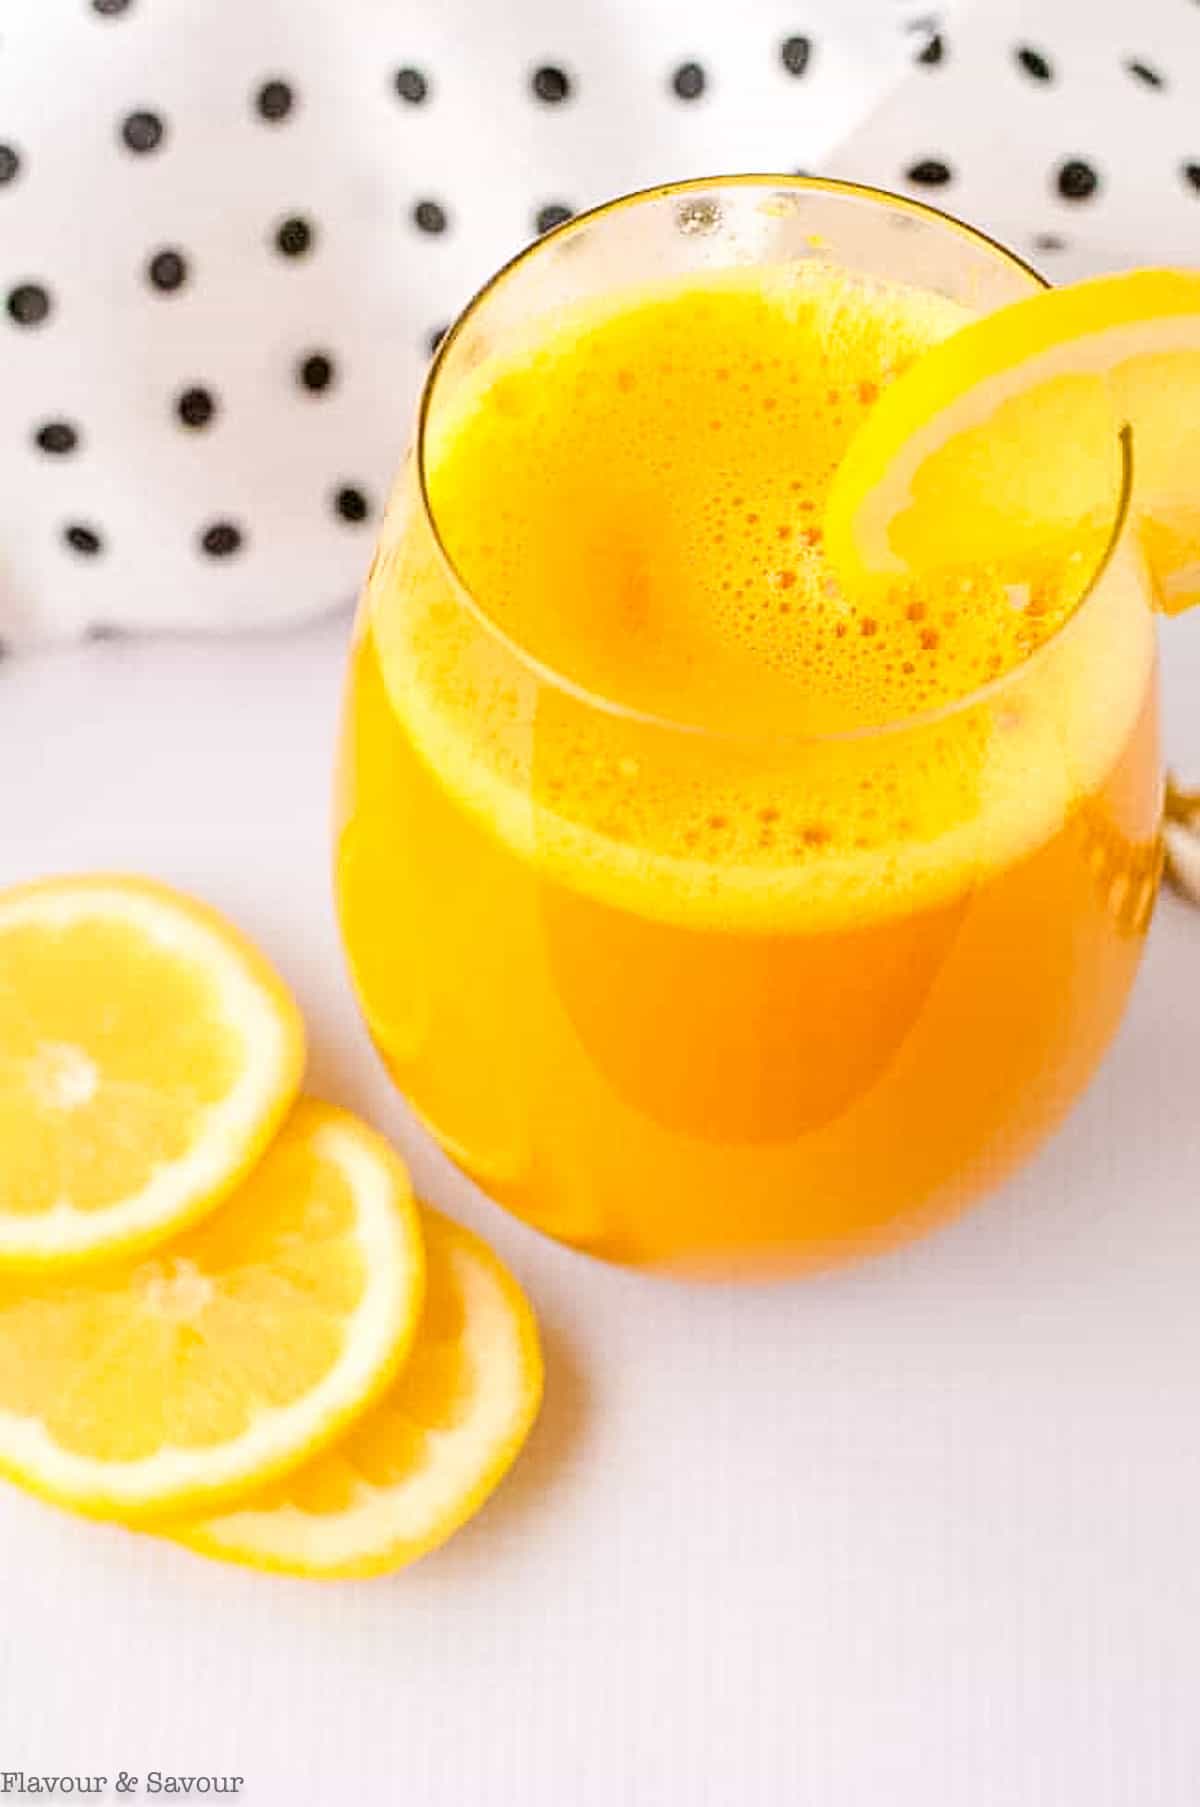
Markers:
point(426, 1457)
point(183, 1380)
point(147, 1056)
point(1002, 440)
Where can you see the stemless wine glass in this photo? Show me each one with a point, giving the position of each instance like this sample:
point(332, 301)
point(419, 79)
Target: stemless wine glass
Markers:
point(719, 1061)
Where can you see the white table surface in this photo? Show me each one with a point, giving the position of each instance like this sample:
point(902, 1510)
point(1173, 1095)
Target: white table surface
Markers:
point(921, 1532)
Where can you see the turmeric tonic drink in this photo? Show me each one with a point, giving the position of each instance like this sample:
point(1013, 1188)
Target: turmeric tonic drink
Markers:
point(707, 914)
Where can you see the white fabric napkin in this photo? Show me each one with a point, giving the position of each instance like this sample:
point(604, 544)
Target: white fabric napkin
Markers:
point(230, 234)
point(1069, 129)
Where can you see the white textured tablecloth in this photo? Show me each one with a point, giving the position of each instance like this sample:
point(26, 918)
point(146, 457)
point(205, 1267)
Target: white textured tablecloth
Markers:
point(919, 1534)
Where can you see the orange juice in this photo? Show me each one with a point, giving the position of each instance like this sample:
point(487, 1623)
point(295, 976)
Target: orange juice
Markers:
point(710, 916)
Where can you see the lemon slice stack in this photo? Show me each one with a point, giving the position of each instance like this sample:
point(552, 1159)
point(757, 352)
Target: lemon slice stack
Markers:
point(222, 1314)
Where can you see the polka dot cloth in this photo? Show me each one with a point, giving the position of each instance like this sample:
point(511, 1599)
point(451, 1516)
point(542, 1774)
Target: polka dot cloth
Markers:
point(227, 252)
point(1069, 129)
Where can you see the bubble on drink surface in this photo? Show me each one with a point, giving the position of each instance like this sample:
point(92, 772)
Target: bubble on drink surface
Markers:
point(781, 205)
point(699, 215)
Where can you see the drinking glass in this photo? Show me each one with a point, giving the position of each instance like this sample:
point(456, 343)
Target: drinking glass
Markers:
point(731, 1065)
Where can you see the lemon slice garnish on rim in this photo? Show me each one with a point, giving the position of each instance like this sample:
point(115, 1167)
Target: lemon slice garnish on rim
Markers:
point(1003, 438)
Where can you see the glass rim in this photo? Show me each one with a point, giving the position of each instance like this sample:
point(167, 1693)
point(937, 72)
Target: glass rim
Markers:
point(597, 701)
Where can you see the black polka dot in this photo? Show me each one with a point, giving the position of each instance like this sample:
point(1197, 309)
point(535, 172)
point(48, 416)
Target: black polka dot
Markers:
point(1142, 72)
point(57, 437)
point(933, 52)
point(294, 237)
point(795, 54)
point(221, 539)
point(10, 162)
point(1034, 63)
point(1191, 175)
point(435, 338)
point(103, 630)
point(196, 407)
point(142, 131)
point(1076, 180)
point(550, 83)
point(167, 270)
point(315, 371)
point(930, 172)
point(275, 100)
point(430, 216)
point(1049, 241)
point(688, 81)
point(111, 9)
point(411, 86)
point(554, 213)
point(82, 539)
point(29, 303)
point(351, 504)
